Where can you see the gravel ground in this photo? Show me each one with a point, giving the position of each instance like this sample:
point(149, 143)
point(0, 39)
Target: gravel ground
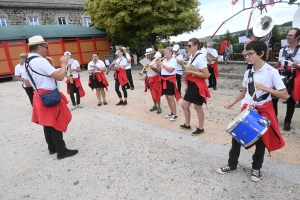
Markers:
point(130, 153)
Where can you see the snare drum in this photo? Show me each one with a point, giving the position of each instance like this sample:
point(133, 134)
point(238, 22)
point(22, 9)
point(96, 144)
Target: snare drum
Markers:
point(248, 127)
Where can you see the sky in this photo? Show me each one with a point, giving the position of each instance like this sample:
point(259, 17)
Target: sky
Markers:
point(215, 12)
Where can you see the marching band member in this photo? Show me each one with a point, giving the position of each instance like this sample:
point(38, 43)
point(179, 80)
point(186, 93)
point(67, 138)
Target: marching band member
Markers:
point(263, 78)
point(20, 74)
point(291, 53)
point(120, 76)
point(73, 82)
point(54, 119)
point(97, 79)
point(129, 85)
point(169, 81)
point(212, 68)
point(154, 80)
point(179, 59)
point(196, 88)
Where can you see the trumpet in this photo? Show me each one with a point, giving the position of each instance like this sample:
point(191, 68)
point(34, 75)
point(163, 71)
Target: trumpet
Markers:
point(70, 75)
point(50, 60)
point(154, 65)
point(143, 71)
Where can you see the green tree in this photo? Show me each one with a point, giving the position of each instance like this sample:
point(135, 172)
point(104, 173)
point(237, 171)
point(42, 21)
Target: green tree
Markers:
point(144, 20)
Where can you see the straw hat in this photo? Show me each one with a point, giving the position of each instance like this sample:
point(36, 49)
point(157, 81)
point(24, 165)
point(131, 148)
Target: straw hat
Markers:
point(36, 40)
point(149, 51)
point(23, 54)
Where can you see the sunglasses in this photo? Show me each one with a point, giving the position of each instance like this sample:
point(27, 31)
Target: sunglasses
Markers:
point(189, 45)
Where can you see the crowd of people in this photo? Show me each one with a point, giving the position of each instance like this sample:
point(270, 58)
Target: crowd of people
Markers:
point(262, 84)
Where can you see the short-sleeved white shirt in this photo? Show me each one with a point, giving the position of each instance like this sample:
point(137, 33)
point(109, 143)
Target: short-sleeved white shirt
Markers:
point(99, 64)
point(169, 63)
point(128, 65)
point(281, 58)
point(121, 61)
point(20, 71)
point(199, 62)
point(212, 52)
point(203, 51)
point(74, 65)
point(157, 54)
point(270, 78)
point(42, 66)
point(150, 72)
point(178, 66)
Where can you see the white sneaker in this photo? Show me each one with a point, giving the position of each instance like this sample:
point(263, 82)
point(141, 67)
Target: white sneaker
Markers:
point(73, 107)
point(173, 118)
point(79, 106)
point(168, 115)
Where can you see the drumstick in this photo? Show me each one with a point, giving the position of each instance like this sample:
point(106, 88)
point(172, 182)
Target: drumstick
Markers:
point(252, 96)
point(286, 60)
point(219, 102)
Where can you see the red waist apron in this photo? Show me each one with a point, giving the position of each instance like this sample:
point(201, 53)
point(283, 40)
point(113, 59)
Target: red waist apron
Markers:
point(155, 87)
point(172, 79)
point(216, 69)
point(77, 83)
point(120, 74)
point(58, 116)
point(201, 84)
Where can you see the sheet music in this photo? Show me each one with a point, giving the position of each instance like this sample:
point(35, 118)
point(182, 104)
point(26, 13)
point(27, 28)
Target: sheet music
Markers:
point(107, 62)
point(144, 61)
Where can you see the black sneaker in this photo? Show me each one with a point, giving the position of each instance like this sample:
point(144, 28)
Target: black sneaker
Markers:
point(185, 126)
point(198, 131)
point(287, 127)
point(99, 104)
point(132, 88)
point(52, 152)
point(209, 86)
point(297, 105)
point(255, 175)
point(173, 118)
point(124, 103)
point(224, 170)
point(67, 153)
point(153, 108)
point(120, 103)
point(215, 88)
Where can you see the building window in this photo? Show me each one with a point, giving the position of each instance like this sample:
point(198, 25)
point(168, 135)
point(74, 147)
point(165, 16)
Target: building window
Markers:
point(3, 22)
point(33, 21)
point(87, 21)
point(62, 21)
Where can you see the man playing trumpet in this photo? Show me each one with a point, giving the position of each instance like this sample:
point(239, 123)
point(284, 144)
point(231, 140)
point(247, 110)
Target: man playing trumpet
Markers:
point(73, 81)
point(154, 80)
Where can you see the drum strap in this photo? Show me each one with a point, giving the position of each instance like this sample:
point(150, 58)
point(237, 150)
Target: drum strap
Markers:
point(289, 56)
point(251, 88)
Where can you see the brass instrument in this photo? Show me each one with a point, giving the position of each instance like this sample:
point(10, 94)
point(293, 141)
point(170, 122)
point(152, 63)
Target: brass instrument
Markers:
point(70, 75)
point(209, 55)
point(263, 26)
point(50, 60)
point(111, 65)
point(190, 67)
point(143, 71)
point(186, 58)
point(154, 64)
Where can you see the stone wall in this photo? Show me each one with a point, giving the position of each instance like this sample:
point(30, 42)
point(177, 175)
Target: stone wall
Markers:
point(59, 4)
point(20, 16)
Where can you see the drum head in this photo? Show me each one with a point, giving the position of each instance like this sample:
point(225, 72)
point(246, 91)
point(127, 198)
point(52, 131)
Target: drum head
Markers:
point(237, 119)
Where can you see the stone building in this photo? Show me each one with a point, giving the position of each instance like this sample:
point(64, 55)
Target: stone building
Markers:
point(43, 12)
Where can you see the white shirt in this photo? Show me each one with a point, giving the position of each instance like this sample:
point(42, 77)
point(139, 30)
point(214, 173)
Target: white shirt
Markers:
point(128, 65)
point(281, 58)
point(99, 64)
point(203, 51)
point(212, 52)
point(42, 66)
point(121, 61)
point(20, 71)
point(150, 72)
point(74, 65)
point(169, 63)
point(200, 61)
point(178, 66)
point(157, 54)
point(270, 78)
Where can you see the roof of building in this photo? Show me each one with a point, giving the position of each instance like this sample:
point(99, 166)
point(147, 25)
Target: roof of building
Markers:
point(47, 31)
point(59, 4)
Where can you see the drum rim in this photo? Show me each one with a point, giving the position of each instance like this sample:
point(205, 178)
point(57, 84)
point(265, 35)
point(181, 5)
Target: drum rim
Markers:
point(257, 138)
point(246, 112)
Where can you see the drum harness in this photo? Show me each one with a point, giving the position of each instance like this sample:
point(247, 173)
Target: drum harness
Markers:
point(289, 74)
point(251, 88)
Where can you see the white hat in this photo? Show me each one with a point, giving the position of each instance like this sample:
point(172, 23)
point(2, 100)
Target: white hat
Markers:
point(176, 47)
point(36, 40)
point(149, 51)
point(67, 53)
point(23, 54)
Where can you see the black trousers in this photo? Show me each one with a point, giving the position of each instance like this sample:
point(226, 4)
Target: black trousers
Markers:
point(275, 105)
point(258, 156)
point(129, 77)
point(212, 81)
point(73, 89)
point(178, 80)
point(290, 109)
point(29, 92)
point(54, 139)
point(117, 85)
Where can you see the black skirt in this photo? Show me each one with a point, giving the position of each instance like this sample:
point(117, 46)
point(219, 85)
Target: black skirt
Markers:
point(192, 94)
point(95, 83)
point(170, 88)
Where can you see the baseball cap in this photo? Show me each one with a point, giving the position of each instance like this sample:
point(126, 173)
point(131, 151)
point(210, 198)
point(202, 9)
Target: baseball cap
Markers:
point(67, 53)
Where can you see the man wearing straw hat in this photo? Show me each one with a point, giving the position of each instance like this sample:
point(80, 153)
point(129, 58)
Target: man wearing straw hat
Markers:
point(43, 77)
point(20, 74)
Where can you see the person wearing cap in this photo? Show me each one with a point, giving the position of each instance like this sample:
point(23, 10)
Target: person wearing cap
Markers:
point(97, 79)
point(74, 86)
point(212, 68)
point(129, 85)
point(54, 119)
point(179, 59)
point(154, 80)
point(20, 74)
point(168, 76)
point(120, 76)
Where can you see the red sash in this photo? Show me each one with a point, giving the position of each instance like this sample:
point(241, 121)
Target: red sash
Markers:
point(120, 74)
point(296, 90)
point(58, 116)
point(155, 87)
point(172, 79)
point(216, 69)
point(77, 83)
point(272, 137)
point(201, 84)
point(100, 76)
